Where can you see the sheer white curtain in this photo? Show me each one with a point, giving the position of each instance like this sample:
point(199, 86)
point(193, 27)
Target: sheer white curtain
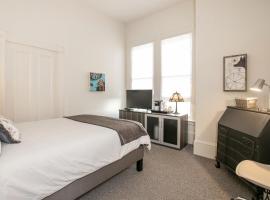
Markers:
point(176, 70)
point(142, 66)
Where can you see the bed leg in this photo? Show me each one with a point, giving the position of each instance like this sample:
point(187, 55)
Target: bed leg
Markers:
point(140, 165)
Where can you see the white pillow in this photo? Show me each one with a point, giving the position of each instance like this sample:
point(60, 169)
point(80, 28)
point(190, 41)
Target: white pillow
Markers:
point(8, 132)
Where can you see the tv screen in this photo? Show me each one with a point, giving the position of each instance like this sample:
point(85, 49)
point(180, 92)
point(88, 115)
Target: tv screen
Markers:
point(139, 99)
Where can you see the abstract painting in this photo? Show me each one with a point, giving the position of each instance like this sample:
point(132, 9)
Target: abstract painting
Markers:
point(97, 82)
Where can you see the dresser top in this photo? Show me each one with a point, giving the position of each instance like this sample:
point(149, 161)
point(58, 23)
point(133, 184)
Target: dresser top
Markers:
point(250, 110)
point(252, 123)
point(154, 113)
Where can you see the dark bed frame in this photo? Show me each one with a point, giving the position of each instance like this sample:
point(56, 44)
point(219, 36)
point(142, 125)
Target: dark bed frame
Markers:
point(83, 185)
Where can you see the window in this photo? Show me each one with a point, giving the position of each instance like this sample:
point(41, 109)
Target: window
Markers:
point(176, 72)
point(142, 66)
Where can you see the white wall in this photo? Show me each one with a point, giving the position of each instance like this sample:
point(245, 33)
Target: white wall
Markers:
point(91, 43)
point(226, 28)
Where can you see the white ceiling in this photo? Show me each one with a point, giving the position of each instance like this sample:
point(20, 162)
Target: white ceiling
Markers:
point(129, 10)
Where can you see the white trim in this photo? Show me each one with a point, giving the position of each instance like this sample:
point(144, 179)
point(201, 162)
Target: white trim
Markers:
point(205, 149)
point(191, 132)
point(56, 48)
point(191, 137)
point(61, 84)
point(2, 70)
point(158, 38)
point(269, 98)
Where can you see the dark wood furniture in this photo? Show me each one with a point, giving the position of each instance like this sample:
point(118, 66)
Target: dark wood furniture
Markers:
point(165, 129)
point(135, 115)
point(243, 135)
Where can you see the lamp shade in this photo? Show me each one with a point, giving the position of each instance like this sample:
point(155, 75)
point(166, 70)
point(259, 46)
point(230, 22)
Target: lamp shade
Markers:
point(176, 97)
point(258, 86)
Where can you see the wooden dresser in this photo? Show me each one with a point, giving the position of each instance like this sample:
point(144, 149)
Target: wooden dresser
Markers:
point(243, 135)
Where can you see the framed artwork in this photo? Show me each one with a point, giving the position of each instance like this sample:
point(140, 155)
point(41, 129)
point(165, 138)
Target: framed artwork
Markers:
point(97, 82)
point(235, 73)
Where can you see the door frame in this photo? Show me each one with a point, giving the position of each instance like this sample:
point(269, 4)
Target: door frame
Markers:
point(3, 39)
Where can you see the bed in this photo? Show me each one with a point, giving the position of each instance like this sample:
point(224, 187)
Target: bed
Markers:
point(63, 159)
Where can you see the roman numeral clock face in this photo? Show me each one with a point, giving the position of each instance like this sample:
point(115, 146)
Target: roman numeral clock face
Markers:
point(235, 73)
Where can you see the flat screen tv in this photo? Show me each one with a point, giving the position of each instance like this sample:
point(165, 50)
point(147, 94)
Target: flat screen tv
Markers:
point(141, 99)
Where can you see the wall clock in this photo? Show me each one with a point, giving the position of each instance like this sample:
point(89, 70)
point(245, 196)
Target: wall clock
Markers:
point(235, 73)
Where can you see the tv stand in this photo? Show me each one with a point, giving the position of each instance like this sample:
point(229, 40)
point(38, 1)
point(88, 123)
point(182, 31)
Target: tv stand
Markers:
point(160, 112)
point(129, 109)
point(137, 109)
point(164, 129)
point(133, 114)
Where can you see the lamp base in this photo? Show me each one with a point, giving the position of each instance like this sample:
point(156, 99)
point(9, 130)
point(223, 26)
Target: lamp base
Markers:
point(175, 112)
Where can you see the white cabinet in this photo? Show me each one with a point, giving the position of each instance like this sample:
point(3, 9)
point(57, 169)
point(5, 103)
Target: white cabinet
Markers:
point(168, 130)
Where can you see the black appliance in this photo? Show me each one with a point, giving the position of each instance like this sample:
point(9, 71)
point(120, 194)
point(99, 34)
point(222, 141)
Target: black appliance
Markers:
point(157, 105)
point(141, 99)
point(157, 108)
point(243, 135)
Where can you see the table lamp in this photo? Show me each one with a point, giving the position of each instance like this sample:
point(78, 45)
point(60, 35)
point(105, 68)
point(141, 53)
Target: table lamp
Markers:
point(258, 87)
point(176, 97)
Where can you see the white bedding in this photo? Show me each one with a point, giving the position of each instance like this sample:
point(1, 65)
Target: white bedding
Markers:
point(54, 153)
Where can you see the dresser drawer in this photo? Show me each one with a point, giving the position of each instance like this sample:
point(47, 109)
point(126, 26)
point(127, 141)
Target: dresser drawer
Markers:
point(222, 138)
point(243, 139)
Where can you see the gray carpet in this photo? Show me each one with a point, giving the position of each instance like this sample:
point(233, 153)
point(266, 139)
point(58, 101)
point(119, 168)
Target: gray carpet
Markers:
point(171, 175)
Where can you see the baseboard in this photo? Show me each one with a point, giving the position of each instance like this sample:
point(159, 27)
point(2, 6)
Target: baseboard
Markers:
point(191, 132)
point(191, 137)
point(205, 149)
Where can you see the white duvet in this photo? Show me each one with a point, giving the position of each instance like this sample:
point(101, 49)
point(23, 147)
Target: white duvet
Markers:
point(54, 153)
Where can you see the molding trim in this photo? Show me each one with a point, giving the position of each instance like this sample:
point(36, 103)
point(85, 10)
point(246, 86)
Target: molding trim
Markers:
point(55, 48)
point(191, 132)
point(205, 149)
point(191, 137)
point(2, 70)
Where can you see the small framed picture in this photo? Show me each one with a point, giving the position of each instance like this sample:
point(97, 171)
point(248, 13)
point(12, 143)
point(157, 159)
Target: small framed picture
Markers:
point(97, 82)
point(235, 73)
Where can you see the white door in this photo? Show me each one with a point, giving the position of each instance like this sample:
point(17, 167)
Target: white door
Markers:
point(30, 83)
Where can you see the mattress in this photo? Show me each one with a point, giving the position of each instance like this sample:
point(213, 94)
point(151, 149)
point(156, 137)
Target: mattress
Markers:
point(54, 153)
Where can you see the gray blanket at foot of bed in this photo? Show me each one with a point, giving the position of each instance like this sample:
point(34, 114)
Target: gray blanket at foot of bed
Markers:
point(128, 131)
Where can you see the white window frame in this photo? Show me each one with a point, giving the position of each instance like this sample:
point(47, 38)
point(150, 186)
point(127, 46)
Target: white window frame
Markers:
point(157, 70)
